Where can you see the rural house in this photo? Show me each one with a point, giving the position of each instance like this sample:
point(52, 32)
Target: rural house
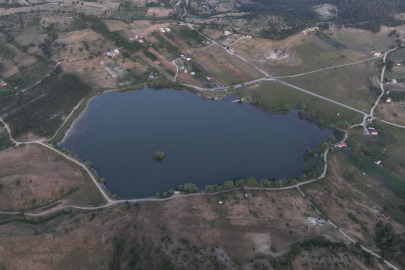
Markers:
point(385, 215)
point(378, 162)
point(373, 131)
point(157, 62)
point(340, 145)
point(388, 99)
point(3, 83)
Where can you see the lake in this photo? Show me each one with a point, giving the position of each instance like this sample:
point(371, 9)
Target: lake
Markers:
point(205, 141)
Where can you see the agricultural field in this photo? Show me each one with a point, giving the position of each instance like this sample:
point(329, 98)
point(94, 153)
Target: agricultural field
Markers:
point(91, 72)
point(387, 146)
point(227, 69)
point(356, 85)
point(127, 15)
point(120, 75)
point(34, 177)
point(141, 28)
point(271, 97)
point(158, 12)
point(367, 40)
point(294, 55)
point(115, 25)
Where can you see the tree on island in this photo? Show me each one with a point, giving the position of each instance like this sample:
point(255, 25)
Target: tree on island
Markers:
point(159, 155)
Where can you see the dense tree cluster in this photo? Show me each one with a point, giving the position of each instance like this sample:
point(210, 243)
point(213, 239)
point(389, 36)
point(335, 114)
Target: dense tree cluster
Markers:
point(55, 98)
point(389, 242)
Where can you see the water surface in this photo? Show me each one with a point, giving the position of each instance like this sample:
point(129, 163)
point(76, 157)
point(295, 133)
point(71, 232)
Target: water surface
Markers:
point(205, 141)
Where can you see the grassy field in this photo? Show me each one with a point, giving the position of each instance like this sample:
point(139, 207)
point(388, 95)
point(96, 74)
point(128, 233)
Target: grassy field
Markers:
point(300, 55)
point(349, 85)
point(226, 68)
point(364, 39)
point(272, 96)
point(370, 168)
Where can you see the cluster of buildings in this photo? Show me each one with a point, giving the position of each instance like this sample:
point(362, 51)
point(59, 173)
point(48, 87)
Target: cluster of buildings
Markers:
point(309, 30)
point(163, 30)
point(393, 81)
point(375, 53)
point(113, 53)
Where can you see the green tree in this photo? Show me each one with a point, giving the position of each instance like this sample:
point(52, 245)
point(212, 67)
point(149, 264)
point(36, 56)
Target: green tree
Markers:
point(251, 181)
point(88, 163)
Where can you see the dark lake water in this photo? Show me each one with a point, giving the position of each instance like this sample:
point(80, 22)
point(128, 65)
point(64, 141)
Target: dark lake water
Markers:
point(205, 141)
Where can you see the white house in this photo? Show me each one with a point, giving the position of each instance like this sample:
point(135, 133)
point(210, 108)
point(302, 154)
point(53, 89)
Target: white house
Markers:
point(378, 162)
point(389, 99)
point(167, 29)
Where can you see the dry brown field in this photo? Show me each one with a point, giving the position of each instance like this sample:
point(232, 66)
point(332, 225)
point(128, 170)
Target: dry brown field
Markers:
point(91, 72)
point(115, 25)
point(238, 230)
point(362, 196)
point(158, 12)
point(392, 112)
point(294, 55)
point(226, 68)
point(34, 177)
point(141, 28)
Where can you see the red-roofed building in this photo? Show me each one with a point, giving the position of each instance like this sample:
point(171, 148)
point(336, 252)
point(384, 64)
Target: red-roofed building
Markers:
point(3, 83)
point(385, 215)
point(157, 62)
point(389, 99)
point(342, 145)
point(373, 131)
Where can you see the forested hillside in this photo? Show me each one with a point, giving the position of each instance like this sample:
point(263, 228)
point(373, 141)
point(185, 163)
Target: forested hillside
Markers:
point(366, 14)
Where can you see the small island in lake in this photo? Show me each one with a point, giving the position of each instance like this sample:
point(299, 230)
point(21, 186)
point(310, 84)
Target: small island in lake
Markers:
point(159, 155)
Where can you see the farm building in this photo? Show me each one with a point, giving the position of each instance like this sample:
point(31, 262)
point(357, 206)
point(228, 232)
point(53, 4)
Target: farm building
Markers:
point(162, 30)
point(378, 162)
point(227, 33)
point(393, 81)
point(167, 29)
point(340, 145)
point(188, 57)
point(389, 99)
point(176, 192)
point(151, 76)
point(157, 62)
point(182, 67)
point(3, 83)
point(192, 73)
point(369, 119)
point(141, 40)
point(385, 215)
point(373, 131)
point(376, 53)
